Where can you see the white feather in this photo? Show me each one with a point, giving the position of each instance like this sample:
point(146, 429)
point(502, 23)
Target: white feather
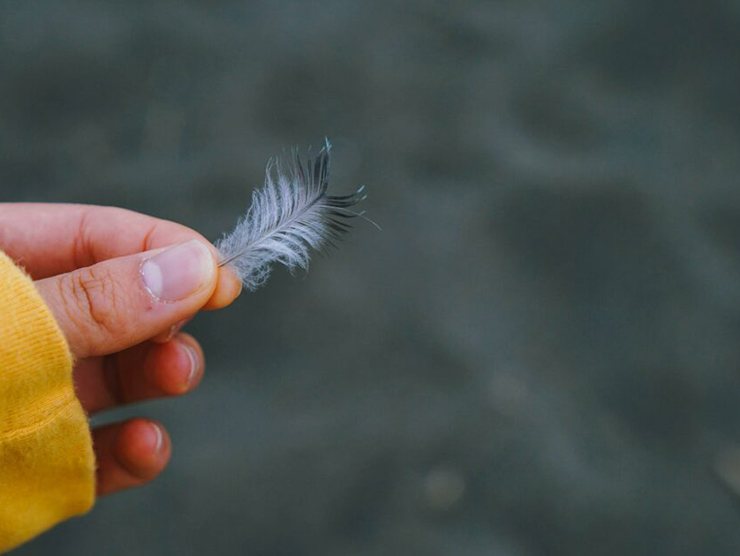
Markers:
point(290, 215)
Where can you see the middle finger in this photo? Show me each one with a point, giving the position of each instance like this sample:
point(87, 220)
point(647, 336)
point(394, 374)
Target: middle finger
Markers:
point(148, 370)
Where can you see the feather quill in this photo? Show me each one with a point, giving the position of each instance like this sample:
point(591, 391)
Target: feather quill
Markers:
point(290, 215)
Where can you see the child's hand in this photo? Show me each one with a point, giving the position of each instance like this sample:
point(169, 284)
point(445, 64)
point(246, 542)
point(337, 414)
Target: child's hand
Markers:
point(120, 284)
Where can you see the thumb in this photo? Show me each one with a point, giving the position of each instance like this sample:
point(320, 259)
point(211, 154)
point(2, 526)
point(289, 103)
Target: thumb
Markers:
point(121, 302)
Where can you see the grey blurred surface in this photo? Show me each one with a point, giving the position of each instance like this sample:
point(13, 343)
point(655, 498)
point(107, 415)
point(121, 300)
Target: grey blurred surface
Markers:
point(540, 352)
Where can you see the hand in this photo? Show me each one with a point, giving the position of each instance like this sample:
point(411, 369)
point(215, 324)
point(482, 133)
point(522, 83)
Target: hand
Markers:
point(120, 284)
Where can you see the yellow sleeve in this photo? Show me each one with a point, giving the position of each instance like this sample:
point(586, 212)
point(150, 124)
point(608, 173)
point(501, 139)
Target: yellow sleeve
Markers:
point(47, 467)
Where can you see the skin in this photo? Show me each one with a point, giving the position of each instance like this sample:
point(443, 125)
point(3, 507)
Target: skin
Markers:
point(85, 262)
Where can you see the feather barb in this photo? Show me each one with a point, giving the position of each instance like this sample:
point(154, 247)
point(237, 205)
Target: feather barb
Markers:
point(289, 216)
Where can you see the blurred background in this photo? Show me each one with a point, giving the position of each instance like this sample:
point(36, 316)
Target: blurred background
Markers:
point(540, 352)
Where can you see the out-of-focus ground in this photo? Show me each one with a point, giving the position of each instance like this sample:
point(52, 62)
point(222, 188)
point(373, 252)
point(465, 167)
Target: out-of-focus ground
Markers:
point(540, 352)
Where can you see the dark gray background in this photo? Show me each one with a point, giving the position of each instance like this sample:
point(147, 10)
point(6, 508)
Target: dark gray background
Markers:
point(540, 353)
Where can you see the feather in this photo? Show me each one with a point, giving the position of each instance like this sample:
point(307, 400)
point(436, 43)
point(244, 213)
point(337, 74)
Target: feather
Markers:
point(290, 215)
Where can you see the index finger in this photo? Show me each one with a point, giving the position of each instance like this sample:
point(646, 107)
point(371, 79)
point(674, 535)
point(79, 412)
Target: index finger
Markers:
point(49, 239)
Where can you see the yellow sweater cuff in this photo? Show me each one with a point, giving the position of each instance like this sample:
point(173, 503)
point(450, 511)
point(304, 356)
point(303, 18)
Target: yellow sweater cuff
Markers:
point(47, 467)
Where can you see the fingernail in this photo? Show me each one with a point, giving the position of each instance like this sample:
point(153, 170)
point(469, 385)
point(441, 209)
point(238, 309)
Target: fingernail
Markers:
point(174, 329)
point(159, 438)
point(179, 271)
point(193, 358)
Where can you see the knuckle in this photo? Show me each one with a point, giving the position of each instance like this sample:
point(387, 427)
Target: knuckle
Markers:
point(91, 296)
